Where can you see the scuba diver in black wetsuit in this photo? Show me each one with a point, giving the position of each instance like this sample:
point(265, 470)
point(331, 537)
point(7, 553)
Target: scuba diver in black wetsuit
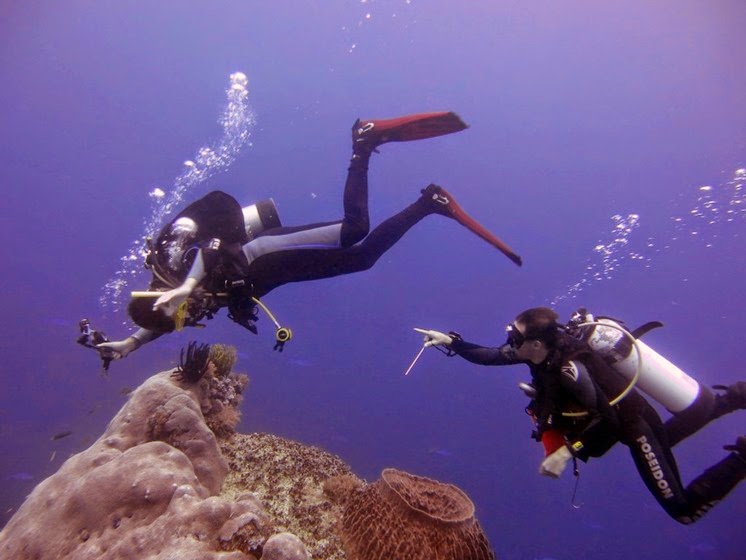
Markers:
point(579, 394)
point(215, 254)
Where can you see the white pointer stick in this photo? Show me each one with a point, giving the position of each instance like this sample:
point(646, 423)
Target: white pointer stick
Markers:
point(417, 357)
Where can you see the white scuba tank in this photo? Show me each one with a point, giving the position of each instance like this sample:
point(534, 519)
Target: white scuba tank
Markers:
point(659, 378)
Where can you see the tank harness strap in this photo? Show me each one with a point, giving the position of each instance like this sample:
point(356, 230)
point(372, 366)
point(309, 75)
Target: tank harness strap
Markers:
point(624, 345)
point(642, 330)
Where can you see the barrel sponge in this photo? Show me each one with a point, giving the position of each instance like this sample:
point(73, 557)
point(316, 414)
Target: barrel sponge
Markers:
point(406, 516)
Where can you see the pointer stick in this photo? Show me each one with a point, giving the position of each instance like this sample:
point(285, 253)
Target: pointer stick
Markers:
point(417, 357)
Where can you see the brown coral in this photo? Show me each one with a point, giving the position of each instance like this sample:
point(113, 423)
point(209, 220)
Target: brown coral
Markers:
point(340, 488)
point(224, 358)
point(407, 516)
point(220, 390)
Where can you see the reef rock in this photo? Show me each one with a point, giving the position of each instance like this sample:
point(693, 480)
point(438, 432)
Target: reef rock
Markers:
point(284, 546)
point(146, 489)
point(292, 481)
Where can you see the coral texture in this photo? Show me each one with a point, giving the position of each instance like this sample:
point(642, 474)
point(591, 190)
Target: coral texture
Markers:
point(407, 516)
point(290, 479)
point(224, 357)
point(284, 546)
point(145, 489)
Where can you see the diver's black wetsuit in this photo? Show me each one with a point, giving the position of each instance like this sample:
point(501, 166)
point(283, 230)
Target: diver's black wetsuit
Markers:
point(574, 377)
point(289, 254)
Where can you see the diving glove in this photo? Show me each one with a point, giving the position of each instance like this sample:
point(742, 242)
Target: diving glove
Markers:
point(556, 463)
point(435, 338)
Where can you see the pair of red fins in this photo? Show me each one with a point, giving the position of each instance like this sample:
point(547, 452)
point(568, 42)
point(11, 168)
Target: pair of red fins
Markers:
point(429, 125)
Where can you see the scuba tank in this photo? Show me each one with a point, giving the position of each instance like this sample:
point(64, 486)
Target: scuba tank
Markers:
point(259, 217)
point(658, 378)
point(170, 255)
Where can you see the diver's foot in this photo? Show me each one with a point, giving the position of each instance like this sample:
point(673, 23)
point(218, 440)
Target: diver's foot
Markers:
point(734, 398)
point(739, 447)
point(367, 135)
point(440, 201)
point(364, 140)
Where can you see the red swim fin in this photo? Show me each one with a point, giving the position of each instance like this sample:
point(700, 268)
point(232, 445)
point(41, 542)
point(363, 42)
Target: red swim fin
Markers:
point(444, 203)
point(372, 133)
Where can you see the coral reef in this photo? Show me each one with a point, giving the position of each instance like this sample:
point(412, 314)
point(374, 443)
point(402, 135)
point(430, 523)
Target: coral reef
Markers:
point(221, 406)
point(170, 478)
point(146, 489)
point(407, 516)
point(290, 480)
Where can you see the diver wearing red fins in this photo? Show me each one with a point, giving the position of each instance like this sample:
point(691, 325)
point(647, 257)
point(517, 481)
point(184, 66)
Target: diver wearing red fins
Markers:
point(216, 254)
point(587, 380)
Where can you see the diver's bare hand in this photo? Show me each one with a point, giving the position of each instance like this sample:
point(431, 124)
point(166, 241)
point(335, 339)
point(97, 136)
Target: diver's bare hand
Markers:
point(170, 301)
point(435, 338)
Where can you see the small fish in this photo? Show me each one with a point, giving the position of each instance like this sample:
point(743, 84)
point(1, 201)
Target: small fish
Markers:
point(61, 435)
point(125, 391)
point(441, 451)
point(301, 362)
point(21, 476)
point(54, 454)
point(702, 548)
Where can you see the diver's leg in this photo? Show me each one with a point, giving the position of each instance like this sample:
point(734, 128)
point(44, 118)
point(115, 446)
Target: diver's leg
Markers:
point(693, 418)
point(274, 269)
point(657, 467)
point(356, 223)
point(277, 268)
point(717, 481)
point(367, 136)
point(733, 398)
point(330, 235)
point(706, 407)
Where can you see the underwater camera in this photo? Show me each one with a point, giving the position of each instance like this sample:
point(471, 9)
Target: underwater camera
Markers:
point(91, 338)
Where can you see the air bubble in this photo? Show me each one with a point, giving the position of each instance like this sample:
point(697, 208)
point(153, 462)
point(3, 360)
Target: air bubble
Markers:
point(237, 120)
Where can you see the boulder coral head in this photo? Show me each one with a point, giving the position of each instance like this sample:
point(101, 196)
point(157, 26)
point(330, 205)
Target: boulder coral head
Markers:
point(147, 488)
point(407, 516)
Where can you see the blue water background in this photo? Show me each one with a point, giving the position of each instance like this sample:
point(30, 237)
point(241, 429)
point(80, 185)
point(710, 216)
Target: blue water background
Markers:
point(579, 111)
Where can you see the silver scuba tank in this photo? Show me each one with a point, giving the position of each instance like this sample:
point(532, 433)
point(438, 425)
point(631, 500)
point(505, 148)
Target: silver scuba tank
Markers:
point(259, 217)
point(659, 378)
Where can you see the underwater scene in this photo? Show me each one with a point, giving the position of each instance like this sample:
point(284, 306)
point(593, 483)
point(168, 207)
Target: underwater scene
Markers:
point(367, 279)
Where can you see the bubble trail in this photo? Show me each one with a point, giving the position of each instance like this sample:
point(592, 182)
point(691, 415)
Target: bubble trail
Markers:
point(709, 214)
point(610, 253)
point(237, 120)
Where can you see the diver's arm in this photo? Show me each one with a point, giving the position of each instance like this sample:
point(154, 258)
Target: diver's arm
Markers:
point(143, 336)
point(171, 299)
point(483, 355)
point(117, 349)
